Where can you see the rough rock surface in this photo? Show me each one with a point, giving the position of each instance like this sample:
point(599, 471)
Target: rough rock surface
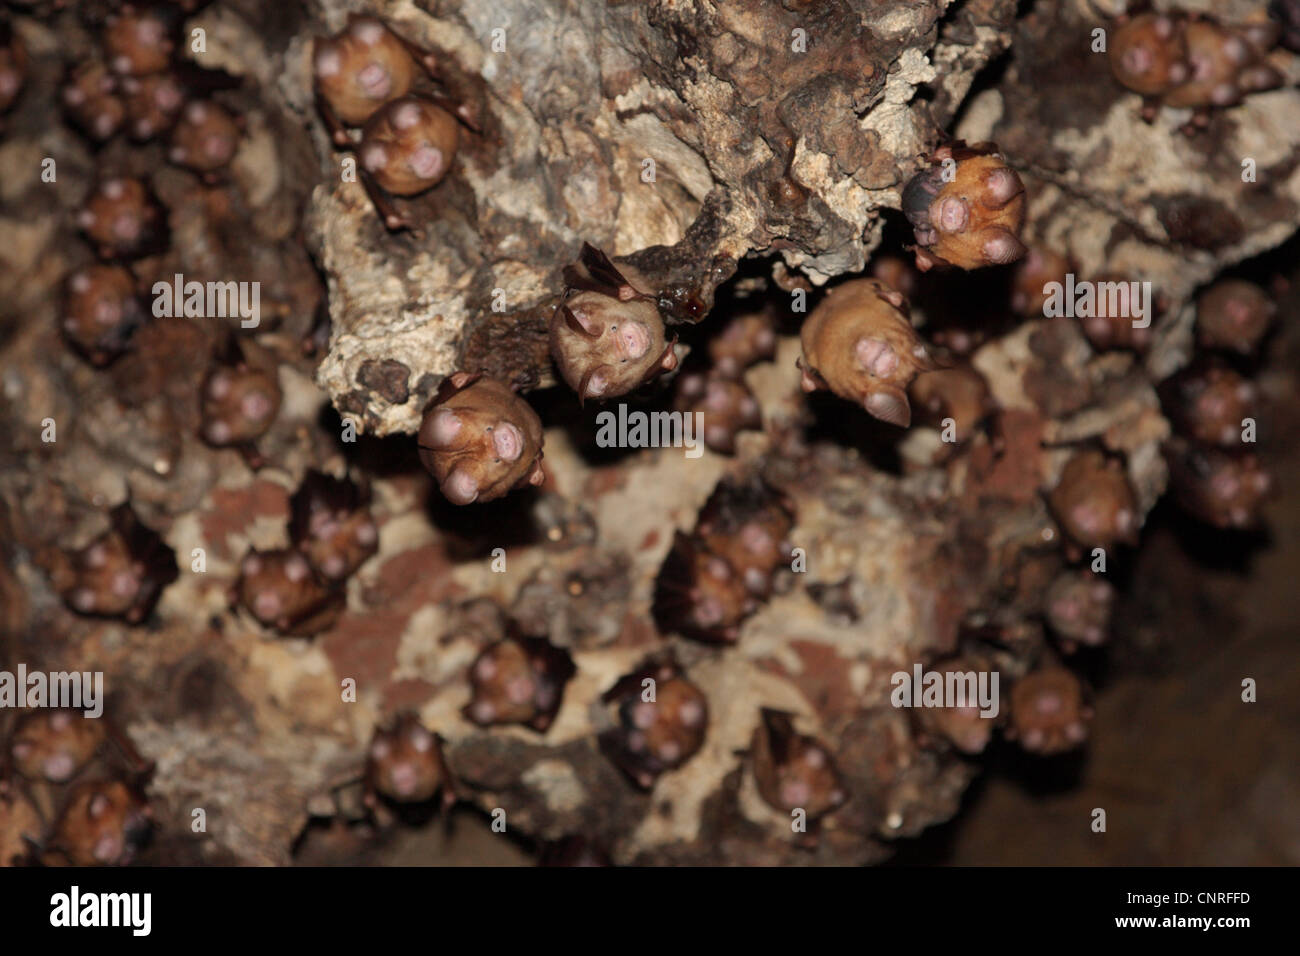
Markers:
point(758, 151)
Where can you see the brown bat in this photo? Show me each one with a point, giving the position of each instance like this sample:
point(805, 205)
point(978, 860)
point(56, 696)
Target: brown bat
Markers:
point(1187, 60)
point(480, 440)
point(727, 404)
point(1078, 607)
point(123, 220)
point(1208, 401)
point(281, 590)
point(607, 333)
point(967, 209)
point(1094, 501)
point(330, 523)
point(405, 764)
point(1233, 315)
point(101, 312)
point(122, 573)
point(794, 771)
point(959, 393)
point(205, 138)
point(102, 823)
point(518, 681)
point(859, 344)
point(1223, 489)
point(366, 76)
point(1048, 712)
point(653, 736)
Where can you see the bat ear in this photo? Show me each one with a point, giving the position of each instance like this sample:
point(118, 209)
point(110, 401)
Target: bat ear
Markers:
point(1000, 187)
point(595, 273)
point(594, 383)
point(925, 260)
point(925, 361)
point(460, 487)
point(97, 807)
point(440, 430)
point(537, 475)
point(890, 405)
point(810, 379)
point(1262, 36)
point(574, 324)
point(453, 383)
point(668, 361)
point(892, 296)
point(1001, 246)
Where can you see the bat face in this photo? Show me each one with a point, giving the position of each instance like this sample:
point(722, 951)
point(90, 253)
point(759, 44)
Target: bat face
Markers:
point(408, 145)
point(700, 594)
point(859, 344)
point(480, 440)
point(1078, 607)
point(54, 745)
point(654, 736)
point(794, 771)
point(753, 541)
point(108, 581)
point(1223, 65)
point(1094, 502)
point(138, 42)
point(101, 312)
point(963, 726)
point(743, 342)
point(280, 589)
point(1039, 267)
point(361, 68)
point(973, 220)
point(605, 348)
point(714, 578)
point(1219, 488)
point(518, 682)
point(239, 403)
point(331, 525)
point(609, 338)
point(206, 137)
point(1148, 53)
point(1048, 714)
point(1116, 331)
point(404, 762)
point(151, 104)
point(728, 407)
point(123, 219)
point(119, 574)
point(1192, 62)
point(1207, 403)
point(104, 823)
point(1233, 315)
point(90, 100)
